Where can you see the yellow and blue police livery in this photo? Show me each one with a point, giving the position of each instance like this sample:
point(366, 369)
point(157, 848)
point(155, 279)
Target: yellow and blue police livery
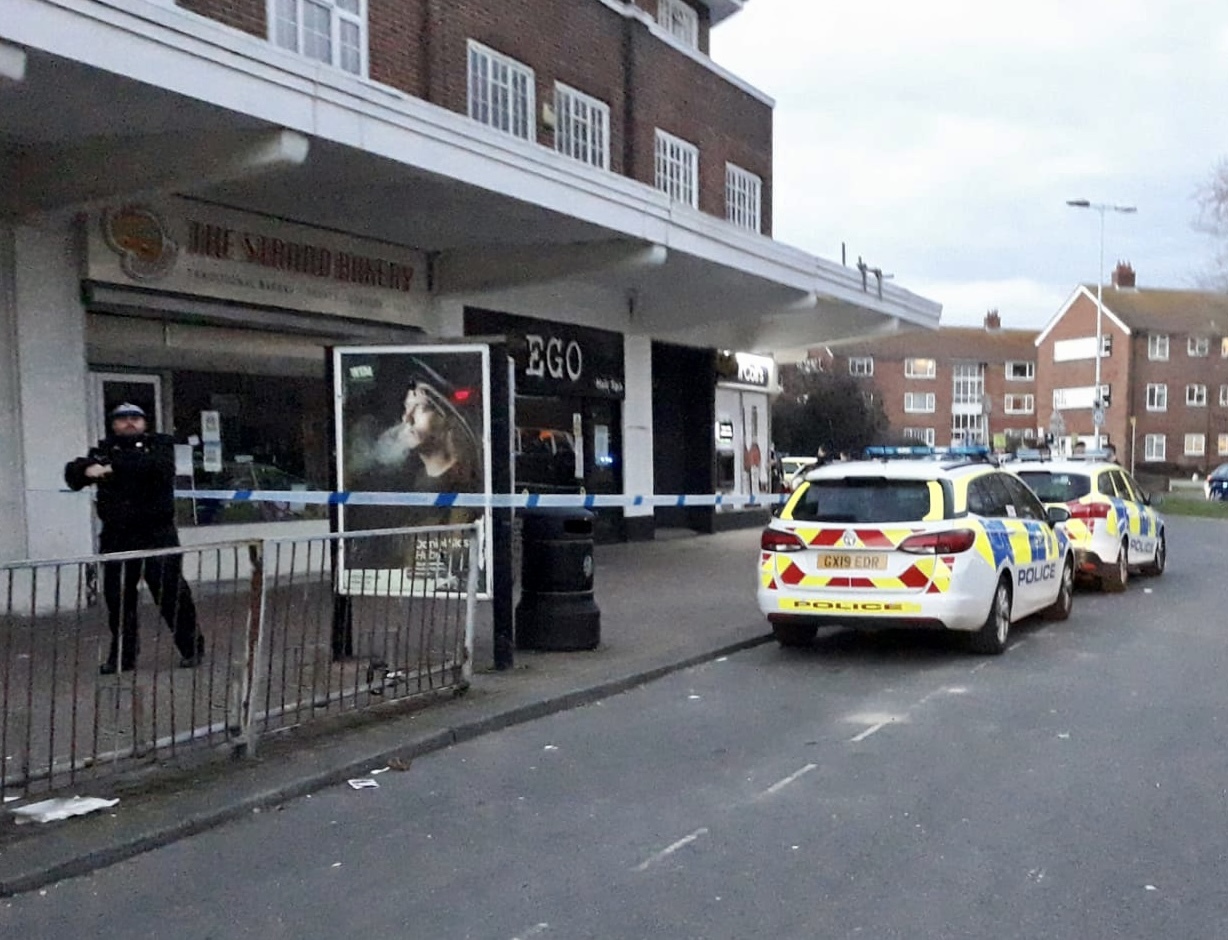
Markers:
point(1113, 527)
point(914, 537)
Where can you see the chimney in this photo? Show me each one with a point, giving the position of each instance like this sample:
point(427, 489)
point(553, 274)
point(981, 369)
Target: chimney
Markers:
point(993, 322)
point(1123, 275)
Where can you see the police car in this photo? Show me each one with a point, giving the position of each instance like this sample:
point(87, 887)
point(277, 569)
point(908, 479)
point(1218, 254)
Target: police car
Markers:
point(944, 539)
point(1112, 526)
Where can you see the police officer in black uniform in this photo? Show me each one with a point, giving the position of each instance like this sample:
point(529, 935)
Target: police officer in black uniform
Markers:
point(134, 471)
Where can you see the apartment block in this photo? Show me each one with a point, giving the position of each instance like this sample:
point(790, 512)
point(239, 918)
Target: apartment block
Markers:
point(952, 385)
point(1163, 372)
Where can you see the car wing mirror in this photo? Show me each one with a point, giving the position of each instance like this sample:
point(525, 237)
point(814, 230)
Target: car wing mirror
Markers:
point(1057, 514)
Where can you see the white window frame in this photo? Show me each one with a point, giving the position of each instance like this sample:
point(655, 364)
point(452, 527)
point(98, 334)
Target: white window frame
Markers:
point(1157, 397)
point(1198, 347)
point(920, 403)
point(1011, 404)
point(968, 383)
point(1155, 447)
point(1223, 395)
point(679, 20)
point(743, 198)
point(1029, 370)
point(1195, 445)
point(581, 126)
point(925, 436)
point(677, 168)
point(861, 365)
point(911, 370)
point(1157, 348)
point(967, 429)
point(1196, 395)
point(280, 27)
point(1223, 348)
point(505, 97)
point(1222, 444)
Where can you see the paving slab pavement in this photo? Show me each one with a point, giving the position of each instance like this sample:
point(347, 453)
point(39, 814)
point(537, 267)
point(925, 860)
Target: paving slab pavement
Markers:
point(666, 605)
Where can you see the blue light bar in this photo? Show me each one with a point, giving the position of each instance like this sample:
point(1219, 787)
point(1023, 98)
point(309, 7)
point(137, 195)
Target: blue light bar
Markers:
point(886, 452)
point(967, 450)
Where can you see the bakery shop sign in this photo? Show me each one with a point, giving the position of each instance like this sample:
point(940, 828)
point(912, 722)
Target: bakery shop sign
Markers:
point(205, 250)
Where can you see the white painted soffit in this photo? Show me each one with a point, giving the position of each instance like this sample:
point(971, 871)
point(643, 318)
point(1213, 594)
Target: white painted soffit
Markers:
point(54, 177)
point(194, 57)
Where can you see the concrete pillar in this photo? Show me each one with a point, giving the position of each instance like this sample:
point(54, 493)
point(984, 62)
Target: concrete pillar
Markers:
point(637, 434)
point(51, 403)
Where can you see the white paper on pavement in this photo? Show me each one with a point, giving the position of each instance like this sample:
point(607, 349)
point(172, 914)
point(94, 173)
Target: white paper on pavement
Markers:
point(60, 808)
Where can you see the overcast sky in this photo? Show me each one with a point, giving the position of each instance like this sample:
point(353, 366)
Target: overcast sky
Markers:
point(941, 140)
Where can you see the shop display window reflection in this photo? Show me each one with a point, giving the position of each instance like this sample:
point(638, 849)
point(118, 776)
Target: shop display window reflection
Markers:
point(251, 432)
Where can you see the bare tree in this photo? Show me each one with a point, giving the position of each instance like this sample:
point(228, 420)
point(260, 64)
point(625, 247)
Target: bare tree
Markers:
point(1212, 219)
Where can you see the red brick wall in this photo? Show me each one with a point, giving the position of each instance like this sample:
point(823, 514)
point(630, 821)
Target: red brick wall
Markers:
point(891, 384)
point(247, 15)
point(1180, 419)
point(1080, 322)
point(683, 98)
point(420, 47)
point(398, 43)
point(583, 48)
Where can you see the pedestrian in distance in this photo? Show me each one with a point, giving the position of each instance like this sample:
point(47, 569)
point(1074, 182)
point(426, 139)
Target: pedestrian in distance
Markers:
point(134, 472)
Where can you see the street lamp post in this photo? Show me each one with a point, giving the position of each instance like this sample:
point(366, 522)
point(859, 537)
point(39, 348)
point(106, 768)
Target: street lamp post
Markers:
point(1102, 208)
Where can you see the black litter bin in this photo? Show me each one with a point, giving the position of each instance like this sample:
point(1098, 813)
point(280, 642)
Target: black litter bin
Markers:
point(557, 610)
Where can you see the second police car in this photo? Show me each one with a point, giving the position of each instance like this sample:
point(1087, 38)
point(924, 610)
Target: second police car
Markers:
point(1113, 527)
point(949, 541)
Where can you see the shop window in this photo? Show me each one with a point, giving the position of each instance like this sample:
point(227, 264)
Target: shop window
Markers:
point(251, 432)
point(330, 31)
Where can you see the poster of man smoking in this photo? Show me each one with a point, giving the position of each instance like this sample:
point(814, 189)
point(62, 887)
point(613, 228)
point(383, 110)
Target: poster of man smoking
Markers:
point(410, 419)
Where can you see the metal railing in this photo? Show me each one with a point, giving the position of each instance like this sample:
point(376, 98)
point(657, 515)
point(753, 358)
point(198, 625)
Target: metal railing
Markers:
point(290, 631)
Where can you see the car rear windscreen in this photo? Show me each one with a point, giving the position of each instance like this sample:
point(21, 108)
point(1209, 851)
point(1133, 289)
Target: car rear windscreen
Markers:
point(1054, 487)
point(864, 500)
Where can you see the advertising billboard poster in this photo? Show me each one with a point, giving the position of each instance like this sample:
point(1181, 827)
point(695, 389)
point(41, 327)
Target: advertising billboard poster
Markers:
point(411, 419)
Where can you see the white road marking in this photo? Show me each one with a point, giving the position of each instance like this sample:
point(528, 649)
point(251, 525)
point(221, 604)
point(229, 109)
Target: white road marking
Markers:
point(535, 931)
point(670, 850)
point(781, 784)
point(869, 731)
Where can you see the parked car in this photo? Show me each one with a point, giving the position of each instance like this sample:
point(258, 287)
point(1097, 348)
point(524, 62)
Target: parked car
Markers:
point(1215, 486)
point(948, 541)
point(1113, 527)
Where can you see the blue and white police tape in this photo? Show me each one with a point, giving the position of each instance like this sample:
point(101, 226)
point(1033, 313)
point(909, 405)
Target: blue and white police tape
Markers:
point(484, 500)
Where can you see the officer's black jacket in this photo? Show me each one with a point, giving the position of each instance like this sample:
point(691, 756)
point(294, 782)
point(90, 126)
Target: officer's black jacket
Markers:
point(139, 494)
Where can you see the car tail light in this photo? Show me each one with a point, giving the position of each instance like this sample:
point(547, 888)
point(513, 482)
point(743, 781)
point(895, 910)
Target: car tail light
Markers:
point(774, 540)
point(1089, 512)
point(951, 542)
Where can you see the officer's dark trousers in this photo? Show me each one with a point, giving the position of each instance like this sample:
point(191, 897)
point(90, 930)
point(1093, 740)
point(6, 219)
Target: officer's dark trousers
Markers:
point(163, 575)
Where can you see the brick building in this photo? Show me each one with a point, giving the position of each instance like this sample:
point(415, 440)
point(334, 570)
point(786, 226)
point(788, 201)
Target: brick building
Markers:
point(198, 198)
point(1164, 373)
point(951, 385)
